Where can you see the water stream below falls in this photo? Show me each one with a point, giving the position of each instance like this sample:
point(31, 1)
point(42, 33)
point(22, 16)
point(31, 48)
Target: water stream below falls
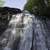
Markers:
point(26, 32)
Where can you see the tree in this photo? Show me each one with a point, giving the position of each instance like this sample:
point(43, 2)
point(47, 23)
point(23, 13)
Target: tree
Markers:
point(2, 2)
point(41, 7)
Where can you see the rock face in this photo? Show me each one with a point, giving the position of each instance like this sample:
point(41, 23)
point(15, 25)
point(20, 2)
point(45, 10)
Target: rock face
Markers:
point(3, 23)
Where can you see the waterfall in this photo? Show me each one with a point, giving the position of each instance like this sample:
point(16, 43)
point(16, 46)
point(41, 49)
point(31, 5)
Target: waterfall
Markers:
point(25, 32)
point(26, 40)
point(11, 35)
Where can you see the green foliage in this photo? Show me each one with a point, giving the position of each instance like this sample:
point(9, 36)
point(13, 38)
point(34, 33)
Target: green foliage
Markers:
point(2, 2)
point(29, 5)
point(49, 3)
point(38, 6)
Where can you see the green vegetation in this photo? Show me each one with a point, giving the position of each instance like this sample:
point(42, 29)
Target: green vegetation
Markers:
point(40, 7)
point(2, 2)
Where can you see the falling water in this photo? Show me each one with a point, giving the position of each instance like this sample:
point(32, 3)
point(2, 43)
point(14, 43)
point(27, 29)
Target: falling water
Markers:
point(25, 32)
point(11, 35)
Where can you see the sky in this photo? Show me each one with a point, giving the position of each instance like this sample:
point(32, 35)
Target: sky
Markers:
point(15, 3)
